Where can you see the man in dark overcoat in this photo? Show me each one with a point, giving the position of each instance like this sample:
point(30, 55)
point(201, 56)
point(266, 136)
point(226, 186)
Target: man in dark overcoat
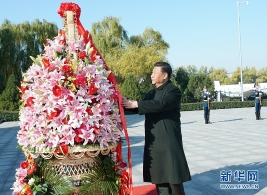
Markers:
point(164, 162)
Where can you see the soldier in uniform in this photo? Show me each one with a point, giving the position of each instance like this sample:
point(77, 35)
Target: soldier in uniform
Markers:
point(258, 101)
point(206, 104)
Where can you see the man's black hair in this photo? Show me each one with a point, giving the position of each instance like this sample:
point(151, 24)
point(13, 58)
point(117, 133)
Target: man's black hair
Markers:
point(165, 67)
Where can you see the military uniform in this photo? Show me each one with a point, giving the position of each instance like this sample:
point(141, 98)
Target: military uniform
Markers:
point(257, 94)
point(206, 104)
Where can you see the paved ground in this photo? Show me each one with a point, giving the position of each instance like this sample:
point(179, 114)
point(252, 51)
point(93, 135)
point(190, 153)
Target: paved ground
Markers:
point(234, 141)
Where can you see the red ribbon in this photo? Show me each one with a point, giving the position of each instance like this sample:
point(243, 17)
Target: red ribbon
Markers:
point(68, 6)
point(75, 8)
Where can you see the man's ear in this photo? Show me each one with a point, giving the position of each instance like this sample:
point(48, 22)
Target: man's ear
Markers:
point(165, 75)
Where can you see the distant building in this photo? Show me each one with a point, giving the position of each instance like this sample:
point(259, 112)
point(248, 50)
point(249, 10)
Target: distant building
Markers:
point(235, 90)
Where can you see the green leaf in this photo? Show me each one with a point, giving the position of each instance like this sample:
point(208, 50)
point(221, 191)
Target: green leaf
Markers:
point(86, 60)
point(98, 180)
point(36, 61)
point(39, 92)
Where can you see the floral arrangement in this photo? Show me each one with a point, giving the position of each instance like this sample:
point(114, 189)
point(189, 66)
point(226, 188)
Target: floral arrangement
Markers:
point(70, 98)
point(67, 99)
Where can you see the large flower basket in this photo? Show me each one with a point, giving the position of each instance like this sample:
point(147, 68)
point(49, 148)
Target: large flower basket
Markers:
point(71, 121)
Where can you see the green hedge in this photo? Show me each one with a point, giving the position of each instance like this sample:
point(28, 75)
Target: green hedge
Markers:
point(219, 105)
point(14, 115)
point(9, 116)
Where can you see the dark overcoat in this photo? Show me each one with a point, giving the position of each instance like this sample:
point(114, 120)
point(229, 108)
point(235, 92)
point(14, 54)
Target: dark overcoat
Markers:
point(164, 158)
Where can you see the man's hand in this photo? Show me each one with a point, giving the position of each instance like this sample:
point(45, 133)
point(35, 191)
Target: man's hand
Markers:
point(129, 103)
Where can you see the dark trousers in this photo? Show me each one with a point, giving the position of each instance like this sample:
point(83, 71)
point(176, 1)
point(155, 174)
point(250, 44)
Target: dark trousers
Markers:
point(258, 110)
point(170, 189)
point(206, 110)
point(257, 107)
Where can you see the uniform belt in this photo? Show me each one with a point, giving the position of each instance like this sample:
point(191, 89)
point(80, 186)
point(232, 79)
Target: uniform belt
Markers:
point(205, 100)
point(257, 97)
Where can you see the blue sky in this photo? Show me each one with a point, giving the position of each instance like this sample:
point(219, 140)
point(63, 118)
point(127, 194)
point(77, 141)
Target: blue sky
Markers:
point(200, 32)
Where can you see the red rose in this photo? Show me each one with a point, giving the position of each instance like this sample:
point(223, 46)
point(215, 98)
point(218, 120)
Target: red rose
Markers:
point(57, 91)
point(67, 70)
point(92, 89)
point(123, 165)
point(78, 139)
point(82, 54)
point(79, 80)
point(57, 111)
point(24, 164)
point(69, 98)
point(114, 97)
point(89, 111)
point(62, 149)
point(53, 114)
point(29, 102)
point(78, 131)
